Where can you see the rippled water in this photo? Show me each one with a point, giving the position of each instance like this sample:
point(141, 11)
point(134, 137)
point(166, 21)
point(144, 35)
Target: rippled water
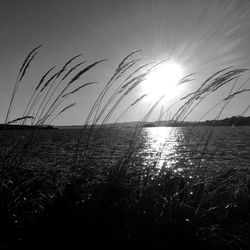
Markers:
point(172, 147)
point(200, 146)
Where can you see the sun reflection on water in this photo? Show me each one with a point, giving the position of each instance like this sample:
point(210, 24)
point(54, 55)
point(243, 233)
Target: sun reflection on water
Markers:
point(192, 152)
point(162, 144)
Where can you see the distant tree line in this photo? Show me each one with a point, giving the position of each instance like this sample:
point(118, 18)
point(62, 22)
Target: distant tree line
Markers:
point(232, 121)
point(23, 127)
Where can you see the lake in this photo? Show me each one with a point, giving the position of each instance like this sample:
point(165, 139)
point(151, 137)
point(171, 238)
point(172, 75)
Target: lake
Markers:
point(210, 148)
point(177, 148)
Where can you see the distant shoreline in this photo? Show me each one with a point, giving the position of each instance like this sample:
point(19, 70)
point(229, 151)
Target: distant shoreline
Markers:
point(24, 127)
point(232, 121)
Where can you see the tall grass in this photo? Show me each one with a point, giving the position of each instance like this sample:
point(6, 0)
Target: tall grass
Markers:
point(123, 205)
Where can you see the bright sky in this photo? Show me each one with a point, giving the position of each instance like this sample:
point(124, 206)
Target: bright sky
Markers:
point(203, 36)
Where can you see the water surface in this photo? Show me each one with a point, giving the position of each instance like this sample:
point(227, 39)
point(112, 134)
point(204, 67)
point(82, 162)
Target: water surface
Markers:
point(178, 148)
point(214, 147)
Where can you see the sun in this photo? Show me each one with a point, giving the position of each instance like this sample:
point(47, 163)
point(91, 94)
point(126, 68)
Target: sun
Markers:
point(163, 81)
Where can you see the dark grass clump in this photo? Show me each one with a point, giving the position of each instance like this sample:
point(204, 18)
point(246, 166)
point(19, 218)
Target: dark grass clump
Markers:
point(136, 212)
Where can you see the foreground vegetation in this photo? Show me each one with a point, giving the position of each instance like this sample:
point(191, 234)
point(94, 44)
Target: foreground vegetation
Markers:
point(125, 208)
point(125, 205)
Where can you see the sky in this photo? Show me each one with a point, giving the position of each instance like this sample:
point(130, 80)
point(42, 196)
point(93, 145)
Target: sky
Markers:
point(203, 36)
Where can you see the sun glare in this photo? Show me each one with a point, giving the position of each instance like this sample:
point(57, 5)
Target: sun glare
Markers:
point(163, 81)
